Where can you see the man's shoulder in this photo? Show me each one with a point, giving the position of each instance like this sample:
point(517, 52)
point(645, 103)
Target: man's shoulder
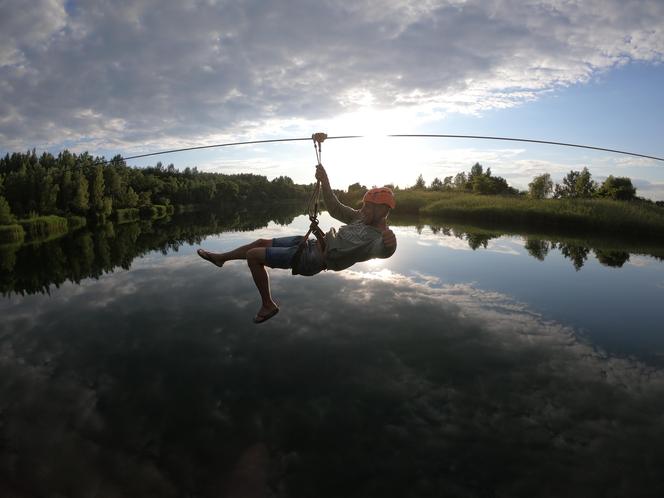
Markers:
point(361, 228)
point(359, 222)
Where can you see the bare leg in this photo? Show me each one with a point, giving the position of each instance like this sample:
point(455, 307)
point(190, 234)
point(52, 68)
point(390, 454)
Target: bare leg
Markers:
point(256, 261)
point(240, 253)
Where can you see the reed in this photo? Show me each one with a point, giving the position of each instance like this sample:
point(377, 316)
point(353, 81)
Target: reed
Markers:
point(44, 227)
point(11, 234)
point(595, 215)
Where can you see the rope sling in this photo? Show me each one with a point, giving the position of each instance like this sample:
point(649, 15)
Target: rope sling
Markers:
point(312, 208)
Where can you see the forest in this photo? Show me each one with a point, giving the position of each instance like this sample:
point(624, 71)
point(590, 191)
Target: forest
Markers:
point(46, 196)
point(49, 195)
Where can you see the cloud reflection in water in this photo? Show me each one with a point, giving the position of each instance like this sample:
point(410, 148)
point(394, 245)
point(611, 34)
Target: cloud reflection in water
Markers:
point(154, 382)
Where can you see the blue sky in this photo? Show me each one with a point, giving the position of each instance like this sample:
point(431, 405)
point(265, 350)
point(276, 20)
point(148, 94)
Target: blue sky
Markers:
point(141, 75)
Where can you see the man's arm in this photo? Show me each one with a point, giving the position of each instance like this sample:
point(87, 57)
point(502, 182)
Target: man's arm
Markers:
point(336, 209)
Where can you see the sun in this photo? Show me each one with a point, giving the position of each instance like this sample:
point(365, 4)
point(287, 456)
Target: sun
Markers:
point(374, 159)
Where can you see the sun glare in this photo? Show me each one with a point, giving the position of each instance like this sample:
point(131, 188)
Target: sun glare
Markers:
point(374, 159)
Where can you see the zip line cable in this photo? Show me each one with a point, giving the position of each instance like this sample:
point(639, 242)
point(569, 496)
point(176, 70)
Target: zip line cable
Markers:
point(547, 142)
point(343, 137)
point(230, 144)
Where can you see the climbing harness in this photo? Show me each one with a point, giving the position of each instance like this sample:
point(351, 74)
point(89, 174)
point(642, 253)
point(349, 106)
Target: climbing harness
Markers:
point(312, 208)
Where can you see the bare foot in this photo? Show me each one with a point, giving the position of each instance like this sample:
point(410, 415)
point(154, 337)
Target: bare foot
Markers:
point(211, 257)
point(265, 313)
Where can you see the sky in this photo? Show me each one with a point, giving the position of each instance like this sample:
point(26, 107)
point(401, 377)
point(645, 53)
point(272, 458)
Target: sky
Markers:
point(135, 76)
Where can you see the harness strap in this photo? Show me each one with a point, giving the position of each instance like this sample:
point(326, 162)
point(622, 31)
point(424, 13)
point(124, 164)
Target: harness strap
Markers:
point(312, 208)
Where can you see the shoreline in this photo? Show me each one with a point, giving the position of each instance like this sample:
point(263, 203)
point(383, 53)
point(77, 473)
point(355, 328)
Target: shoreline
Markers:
point(626, 220)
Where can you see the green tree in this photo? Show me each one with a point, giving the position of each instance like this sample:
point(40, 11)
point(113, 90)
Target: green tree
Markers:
point(71, 183)
point(460, 181)
point(585, 186)
point(145, 199)
point(107, 208)
point(48, 195)
point(228, 190)
point(541, 186)
point(16, 189)
point(480, 184)
point(356, 188)
point(80, 202)
point(112, 182)
point(96, 186)
point(436, 184)
point(66, 191)
point(476, 171)
point(6, 216)
point(618, 188)
point(576, 185)
point(130, 199)
point(420, 184)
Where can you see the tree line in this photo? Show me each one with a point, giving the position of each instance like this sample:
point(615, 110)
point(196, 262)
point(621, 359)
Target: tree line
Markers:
point(477, 180)
point(580, 185)
point(83, 185)
point(576, 251)
point(575, 185)
point(91, 253)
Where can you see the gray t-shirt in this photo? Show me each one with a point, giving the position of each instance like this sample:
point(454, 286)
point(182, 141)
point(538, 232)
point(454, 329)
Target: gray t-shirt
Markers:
point(354, 242)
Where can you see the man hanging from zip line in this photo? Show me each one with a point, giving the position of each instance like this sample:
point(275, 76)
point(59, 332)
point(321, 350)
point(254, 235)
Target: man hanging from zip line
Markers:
point(365, 236)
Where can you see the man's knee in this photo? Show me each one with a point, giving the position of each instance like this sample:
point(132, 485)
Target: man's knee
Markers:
point(256, 255)
point(264, 242)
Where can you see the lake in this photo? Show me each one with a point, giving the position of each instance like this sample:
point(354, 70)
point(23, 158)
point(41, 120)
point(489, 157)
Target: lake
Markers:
point(471, 363)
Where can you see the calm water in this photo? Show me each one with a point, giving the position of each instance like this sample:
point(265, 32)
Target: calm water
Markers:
point(468, 364)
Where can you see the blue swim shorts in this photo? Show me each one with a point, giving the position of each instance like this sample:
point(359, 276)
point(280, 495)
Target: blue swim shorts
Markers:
point(280, 255)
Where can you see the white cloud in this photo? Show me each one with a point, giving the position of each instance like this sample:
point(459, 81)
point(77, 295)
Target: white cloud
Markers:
point(148, 72)
point(652, 190)
point(27, 30)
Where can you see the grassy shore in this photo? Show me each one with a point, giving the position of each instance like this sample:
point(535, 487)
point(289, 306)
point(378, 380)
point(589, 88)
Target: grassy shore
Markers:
point(11, 234)
point(44, 227)
point(634, 218)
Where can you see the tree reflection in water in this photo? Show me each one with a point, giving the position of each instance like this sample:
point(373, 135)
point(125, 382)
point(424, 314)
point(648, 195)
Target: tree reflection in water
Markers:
point(33, 268)
point(608, 252)
point(152, 383)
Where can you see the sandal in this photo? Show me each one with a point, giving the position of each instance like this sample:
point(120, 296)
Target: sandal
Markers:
point(264, 318)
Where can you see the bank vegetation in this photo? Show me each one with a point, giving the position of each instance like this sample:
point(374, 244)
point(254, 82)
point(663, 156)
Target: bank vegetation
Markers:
point(45, 196)
point(577, 204)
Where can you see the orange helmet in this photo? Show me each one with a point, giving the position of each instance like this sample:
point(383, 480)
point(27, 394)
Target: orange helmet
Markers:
point(381, 195)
